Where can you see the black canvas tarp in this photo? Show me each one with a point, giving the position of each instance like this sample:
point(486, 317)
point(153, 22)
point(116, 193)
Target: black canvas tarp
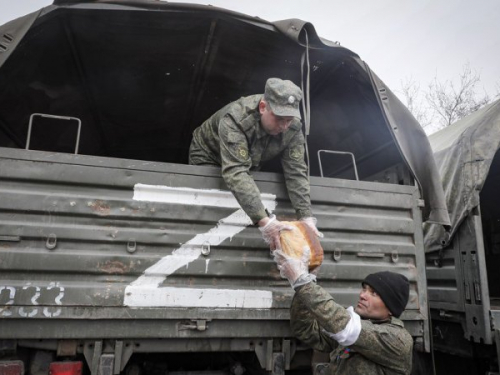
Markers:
point(464, 152)
point(101, 61)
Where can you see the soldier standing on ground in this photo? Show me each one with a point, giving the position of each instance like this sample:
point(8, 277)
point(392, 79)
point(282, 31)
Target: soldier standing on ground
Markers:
point(252, 130)
point(369, 339)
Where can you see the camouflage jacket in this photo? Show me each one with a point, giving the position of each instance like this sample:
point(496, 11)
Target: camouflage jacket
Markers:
point(233, 139)
point(381, 348)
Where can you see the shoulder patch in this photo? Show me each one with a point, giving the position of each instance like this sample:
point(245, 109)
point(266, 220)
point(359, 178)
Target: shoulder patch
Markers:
point(242, 151)
point(296, 153)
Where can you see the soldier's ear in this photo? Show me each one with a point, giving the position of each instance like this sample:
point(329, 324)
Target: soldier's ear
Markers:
point(262, 106)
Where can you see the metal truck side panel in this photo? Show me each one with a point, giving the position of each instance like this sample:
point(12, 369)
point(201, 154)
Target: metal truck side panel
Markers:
point(81, 247)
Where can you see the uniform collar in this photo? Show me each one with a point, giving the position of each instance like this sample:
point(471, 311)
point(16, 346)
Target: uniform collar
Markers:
point(397, 322)
point(260, 132)
point(391, 320)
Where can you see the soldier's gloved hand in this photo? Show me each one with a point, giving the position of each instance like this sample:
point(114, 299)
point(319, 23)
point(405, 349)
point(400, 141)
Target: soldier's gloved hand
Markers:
point(271, 232)
point(311, 222)
point(295, 270)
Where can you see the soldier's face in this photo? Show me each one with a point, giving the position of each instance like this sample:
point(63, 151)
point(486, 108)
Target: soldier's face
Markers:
point(370, 305)
point(271, 123)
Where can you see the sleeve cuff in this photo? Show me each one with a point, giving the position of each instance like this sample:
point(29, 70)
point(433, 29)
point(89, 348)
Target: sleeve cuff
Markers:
point(259, 216)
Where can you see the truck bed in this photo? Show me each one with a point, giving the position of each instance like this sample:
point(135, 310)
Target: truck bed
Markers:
point(122, 249)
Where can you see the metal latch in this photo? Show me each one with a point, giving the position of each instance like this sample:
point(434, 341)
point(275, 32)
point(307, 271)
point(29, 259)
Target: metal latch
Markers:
point(195, 325)
point(337, 254)
point(205, 248)
point(51, 242)
point(131, 246)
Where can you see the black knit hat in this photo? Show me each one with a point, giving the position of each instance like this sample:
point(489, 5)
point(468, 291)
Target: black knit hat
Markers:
point(393, 288)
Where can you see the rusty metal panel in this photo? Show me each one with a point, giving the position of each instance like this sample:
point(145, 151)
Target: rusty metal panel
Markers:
point(117, 248)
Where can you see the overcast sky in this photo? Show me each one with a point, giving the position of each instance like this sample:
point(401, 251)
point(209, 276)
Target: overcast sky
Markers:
point(399, 39)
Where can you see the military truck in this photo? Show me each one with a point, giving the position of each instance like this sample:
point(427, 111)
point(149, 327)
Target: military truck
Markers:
point(118, 257)
point(463, 276)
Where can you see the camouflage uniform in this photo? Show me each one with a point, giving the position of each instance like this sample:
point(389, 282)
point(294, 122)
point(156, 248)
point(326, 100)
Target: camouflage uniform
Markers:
point(234, 139)
point(383, 347)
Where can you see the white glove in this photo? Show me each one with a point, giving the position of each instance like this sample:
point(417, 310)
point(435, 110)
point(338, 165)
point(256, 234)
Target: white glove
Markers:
point(311, 222)
point(295, 270)
point(271, 232)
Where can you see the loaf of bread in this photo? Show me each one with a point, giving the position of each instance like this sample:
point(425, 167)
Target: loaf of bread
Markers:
point(294, 241)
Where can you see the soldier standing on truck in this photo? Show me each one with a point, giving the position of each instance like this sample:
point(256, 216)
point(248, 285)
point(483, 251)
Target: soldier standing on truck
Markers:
point(252, 130)
point(369, 339)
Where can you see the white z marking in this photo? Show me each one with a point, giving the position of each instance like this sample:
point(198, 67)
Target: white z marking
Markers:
point(146, 290)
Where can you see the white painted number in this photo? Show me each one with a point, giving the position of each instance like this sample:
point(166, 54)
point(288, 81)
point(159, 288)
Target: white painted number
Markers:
point(47, 310)
point(36, 292)
point(33, 311)
point(12, 294)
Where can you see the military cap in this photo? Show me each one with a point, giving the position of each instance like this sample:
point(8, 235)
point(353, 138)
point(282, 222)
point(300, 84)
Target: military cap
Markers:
point(283, 97)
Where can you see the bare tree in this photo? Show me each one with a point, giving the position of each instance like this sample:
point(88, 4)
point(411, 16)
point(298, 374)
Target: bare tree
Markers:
point(410, 90)
point(451, 102)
